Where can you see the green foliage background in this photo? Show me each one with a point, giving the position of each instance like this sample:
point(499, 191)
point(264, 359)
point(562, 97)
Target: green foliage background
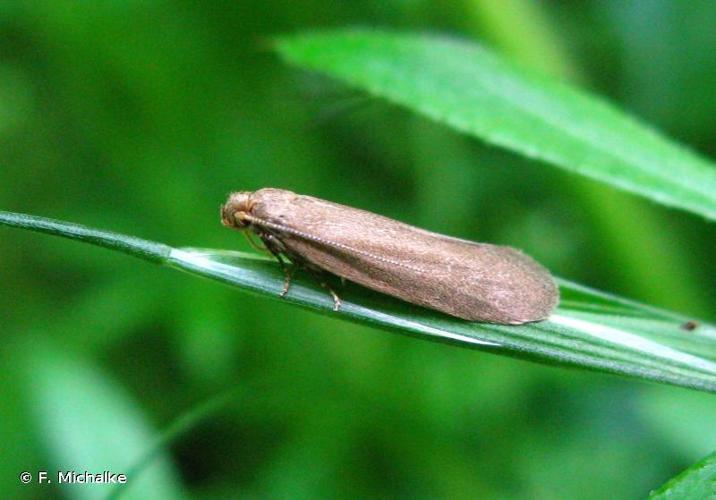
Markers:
point(140, 117)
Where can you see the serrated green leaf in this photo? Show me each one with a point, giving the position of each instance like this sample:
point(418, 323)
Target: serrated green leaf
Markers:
point(471, 89)
point(696, 483)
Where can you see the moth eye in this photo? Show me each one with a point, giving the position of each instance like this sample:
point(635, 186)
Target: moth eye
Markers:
point(240, 218)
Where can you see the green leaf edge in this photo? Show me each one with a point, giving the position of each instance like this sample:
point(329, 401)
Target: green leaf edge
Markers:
point(287, 47)
point(692, 479)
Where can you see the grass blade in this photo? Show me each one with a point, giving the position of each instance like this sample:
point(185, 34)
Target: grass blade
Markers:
point(88, 422)
point(589, 329)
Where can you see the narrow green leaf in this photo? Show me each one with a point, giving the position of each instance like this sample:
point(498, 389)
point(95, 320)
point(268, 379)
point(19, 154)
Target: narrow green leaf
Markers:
point(87, 422)
point(144, 249)
point(183, 424)
point(696, 482)
point(589, 329)
point(471, 89)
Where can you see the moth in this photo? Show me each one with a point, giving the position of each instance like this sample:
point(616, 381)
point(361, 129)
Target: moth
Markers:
point(472, 281)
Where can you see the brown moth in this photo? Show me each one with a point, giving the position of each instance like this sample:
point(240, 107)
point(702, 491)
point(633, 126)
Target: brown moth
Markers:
point(473, 281)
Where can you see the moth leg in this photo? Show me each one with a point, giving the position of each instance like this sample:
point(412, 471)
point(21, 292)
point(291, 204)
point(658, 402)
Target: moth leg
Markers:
point(254, 244)
point(276, 248)
point(288, 272)
point(336, 299)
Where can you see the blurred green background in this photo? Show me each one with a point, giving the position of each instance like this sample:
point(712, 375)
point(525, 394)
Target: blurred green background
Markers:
point(141, 116)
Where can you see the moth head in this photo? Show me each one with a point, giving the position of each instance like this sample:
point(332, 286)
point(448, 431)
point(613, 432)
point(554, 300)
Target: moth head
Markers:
point(234, 211)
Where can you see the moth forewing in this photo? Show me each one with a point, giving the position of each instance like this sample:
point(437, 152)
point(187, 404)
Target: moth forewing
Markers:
point(473, 281)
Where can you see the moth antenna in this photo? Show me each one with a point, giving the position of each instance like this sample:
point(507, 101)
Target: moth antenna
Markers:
point(300, 234)
point(279, 227)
